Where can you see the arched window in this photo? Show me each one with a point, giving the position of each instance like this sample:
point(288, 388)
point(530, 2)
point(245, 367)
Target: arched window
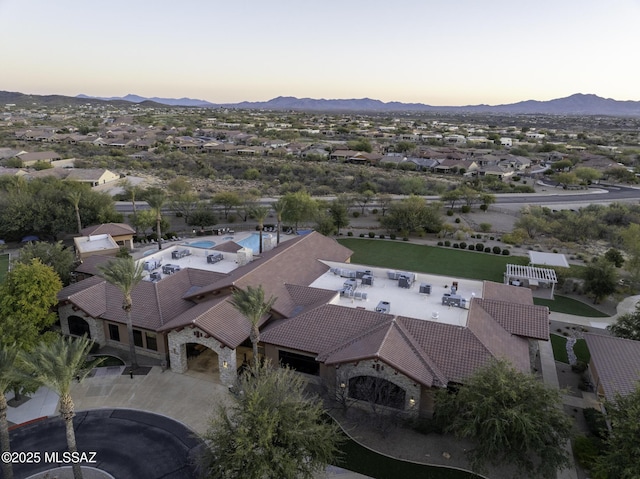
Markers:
point(78, 326)
point(377, 390)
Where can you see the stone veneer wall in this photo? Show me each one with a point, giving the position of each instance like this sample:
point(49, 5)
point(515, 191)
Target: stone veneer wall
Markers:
point(368, 368)
point(178, 352)
point(96, 326)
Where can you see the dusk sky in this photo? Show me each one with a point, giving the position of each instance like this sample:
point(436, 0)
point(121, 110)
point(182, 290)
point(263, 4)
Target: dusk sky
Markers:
point(435, 52)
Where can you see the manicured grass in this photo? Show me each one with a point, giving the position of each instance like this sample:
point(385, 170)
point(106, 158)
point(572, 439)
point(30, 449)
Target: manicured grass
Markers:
point(562, 304)
point(430, 259)
point(365, 461)
point(4, 265)
point(559, 345)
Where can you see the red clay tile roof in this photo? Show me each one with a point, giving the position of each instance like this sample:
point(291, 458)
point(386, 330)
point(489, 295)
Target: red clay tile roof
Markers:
point(617, 363)
point(90, 263)
point(506, 292)
point(524, 320)
point(216, 317)
point(113, 229)
point(228, 247)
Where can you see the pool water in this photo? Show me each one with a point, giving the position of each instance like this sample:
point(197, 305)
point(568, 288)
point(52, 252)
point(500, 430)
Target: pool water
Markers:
point(253, 241)
point(203, 244)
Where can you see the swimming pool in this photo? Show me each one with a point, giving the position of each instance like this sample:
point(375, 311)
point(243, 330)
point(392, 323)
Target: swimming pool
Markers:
point(253, 241)
point(203, 244)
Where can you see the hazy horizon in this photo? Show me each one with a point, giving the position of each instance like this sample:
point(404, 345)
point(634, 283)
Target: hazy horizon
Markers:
point(430, 52)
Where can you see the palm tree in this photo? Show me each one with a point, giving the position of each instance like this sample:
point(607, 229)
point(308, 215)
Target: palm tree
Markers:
point(156, 201)
point(279, 207)
point(75, 197)
point(124, 274)
point(251, 304)
point(56, 364)
point(260, 213)
point(7, 367)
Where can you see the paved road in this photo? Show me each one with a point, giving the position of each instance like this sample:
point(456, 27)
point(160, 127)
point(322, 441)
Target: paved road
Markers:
point(128, 444)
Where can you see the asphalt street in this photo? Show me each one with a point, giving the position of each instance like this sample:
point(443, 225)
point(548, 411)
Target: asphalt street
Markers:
point(127, 444)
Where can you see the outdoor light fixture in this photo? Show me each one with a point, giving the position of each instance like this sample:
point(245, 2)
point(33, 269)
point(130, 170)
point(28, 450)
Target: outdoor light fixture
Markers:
point(225, 364)
point(412, 402)
point(343, 385)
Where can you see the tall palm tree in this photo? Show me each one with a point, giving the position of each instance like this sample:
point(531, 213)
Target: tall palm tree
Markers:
point(7, 369)
point(251, 304)
point(156, 201)
point(124, 274)
point(56, 364)
point(279, 207)
point(260, 213)
point(75, 197)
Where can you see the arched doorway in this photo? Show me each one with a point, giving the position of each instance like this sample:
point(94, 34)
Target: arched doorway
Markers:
point(202, 362)
point(79, 326)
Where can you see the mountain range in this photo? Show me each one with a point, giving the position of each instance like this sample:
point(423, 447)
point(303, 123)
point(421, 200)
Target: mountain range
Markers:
point(577, 104)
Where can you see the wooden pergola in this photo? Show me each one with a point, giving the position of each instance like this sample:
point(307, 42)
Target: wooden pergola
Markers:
point(530, 276)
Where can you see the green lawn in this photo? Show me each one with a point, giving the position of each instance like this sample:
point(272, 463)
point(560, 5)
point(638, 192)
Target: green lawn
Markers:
point(562, 304)
point(365, 461)
point(430, 259)
point(559, 345)
point(4, 265)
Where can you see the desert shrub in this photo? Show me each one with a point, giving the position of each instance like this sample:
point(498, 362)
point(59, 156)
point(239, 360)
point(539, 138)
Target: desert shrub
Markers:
point(381, 236)
point(447, 243)
point(506, 252)
point(456, 245)
point(440, 243)
point(465, 208)
point(449, 212)
point(405, 239)
point(361, 235)
point(350, 233)
point(479, 246)
point(372, 234)
point(457, 220)
point(472, 247)
point(392, 236)
point(374, 211)
point(496, 249)
point(356, 214)
point(487, 249)
point(463, 245)
point(485, 227)
point(579, 367)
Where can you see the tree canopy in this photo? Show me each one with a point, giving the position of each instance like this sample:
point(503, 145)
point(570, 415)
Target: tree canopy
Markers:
point(413, 214)
point(512, 417)
point(627, 325)
point(56, 255)
point(271, 430)
point(27, 294)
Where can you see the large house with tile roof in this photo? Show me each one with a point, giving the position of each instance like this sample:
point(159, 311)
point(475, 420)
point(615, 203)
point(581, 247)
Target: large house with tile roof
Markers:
point(317, 330)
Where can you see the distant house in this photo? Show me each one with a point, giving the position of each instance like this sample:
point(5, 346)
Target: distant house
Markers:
point(92, 176)
point(30, 159)
point(91, 245)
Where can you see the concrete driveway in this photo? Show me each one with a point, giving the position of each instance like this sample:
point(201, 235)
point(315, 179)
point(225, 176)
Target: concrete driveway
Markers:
point(127, 444)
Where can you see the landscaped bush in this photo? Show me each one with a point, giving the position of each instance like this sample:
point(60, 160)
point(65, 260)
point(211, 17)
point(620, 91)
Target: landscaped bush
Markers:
point(456, 245)
point(374, 211)
point(463, 245)
point(356, 214)
point(487, 249)
point(596, 422)
point(496, 249)
point(506, 252)
point(447, 243)
point(440, 243)
point(586, 450)
point(372, 234)
point(457, 220)
point(381, 236)
point(350, 233)
point(392, 236)
point(405, 239)
point(471, 247)
point(449, 212)
point(579, 367)
point(361, 235)
point(465, 208)
point(479, 246)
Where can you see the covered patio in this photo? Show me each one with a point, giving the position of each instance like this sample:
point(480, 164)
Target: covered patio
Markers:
point(539, 280)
